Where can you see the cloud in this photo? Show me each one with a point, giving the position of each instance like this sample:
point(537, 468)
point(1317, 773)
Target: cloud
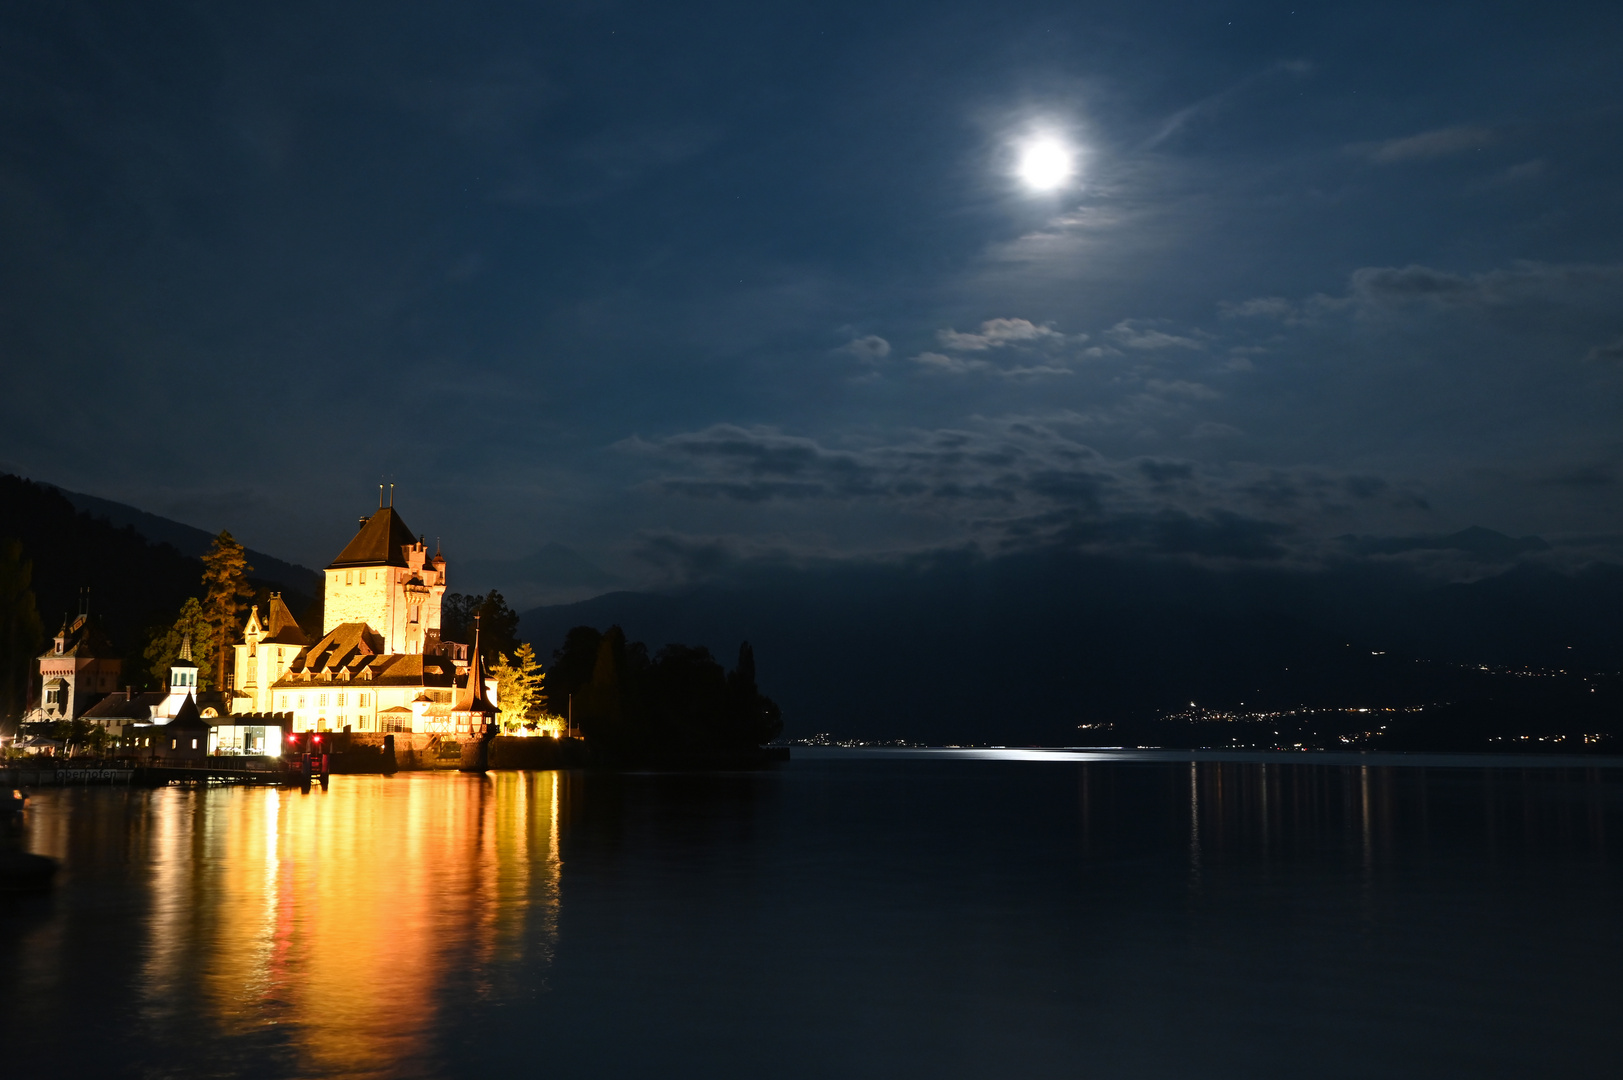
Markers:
point(1210, 429)
point(1388, 284)
point(1020, 481)
point(1272, 307)
point(1523, 173)
point(871, 348)
point(1612, 353)
point(1001, 333)
point(1442, 142)
point(1180, 388)
point(1221, 101)
point(1593, 476)
point(1371, 289)
point(1132, 334)
point(1014, 338)
point(954, 365)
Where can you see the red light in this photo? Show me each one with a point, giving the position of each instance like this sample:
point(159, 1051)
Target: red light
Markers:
point(318, 738)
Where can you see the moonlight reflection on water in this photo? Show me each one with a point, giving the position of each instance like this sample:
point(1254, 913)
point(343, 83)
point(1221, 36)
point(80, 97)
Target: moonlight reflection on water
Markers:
point(980, 913)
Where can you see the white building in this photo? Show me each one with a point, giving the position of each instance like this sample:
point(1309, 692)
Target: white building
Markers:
point(380, 665)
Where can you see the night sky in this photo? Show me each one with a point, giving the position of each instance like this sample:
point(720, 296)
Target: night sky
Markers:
point(679, 286)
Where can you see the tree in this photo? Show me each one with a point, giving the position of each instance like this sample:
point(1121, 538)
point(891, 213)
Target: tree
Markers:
point(753, 719)
point(81, 734)
point(572, 665)
point(226, 593)
point(21, 632)
point(164, 646)
point(456, 617)
point(498, 623)
point(520, 684)
point(598, 704)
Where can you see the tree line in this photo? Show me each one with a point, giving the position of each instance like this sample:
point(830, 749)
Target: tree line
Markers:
point(631, 706)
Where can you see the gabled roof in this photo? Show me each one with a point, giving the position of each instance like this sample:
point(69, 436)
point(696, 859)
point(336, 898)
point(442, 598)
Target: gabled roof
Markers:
point(379, 543)
point(354, 652)
point(83, 637)
point(340, 648)
point(118, 706)
point(281, 627)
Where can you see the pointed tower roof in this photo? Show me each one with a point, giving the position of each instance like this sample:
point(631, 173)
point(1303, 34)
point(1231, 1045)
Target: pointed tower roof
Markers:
point(280, 626)
point(471, 698)
point(187, 716)
point(185, 657)
point(381, 542)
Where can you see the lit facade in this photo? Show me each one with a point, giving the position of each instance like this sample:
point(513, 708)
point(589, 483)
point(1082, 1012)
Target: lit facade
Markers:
point(75, 672)
point(380, 665)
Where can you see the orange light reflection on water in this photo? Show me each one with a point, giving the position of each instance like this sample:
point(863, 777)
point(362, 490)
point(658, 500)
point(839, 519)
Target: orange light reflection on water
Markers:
point(340, 915)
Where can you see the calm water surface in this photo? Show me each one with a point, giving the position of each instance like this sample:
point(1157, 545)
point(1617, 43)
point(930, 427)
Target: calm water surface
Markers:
point(847, 914)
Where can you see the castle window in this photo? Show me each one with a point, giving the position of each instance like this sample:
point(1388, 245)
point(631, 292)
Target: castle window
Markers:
point(322, 702)
point(363, 577)
point(362, 700)
point(301, 701)
point(253, 672)
point(349, 577)
point(340, 699)
point(284, 702)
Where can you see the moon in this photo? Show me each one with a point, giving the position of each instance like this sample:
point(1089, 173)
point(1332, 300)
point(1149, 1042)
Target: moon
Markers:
point(1045, 164)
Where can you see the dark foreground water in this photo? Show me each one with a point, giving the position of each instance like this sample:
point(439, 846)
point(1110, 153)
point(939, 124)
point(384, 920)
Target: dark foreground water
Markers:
point(845, 915)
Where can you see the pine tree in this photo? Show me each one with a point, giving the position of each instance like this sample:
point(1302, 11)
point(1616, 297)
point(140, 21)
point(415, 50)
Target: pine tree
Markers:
point(520, 686)
point(21, 632)
point(598, 703)
point(225, 598)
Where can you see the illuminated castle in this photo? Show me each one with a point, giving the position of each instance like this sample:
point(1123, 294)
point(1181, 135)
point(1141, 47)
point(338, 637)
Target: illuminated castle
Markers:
point(380, 665)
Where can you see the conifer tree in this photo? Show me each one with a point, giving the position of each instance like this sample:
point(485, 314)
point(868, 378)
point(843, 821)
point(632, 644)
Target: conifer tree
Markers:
point(519, 687)
point(21, 632)
point(164, 646)
point(598, 703)
point(225, 597)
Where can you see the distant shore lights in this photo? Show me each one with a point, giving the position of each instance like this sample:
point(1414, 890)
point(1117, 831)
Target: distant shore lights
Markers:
point(1045, 163)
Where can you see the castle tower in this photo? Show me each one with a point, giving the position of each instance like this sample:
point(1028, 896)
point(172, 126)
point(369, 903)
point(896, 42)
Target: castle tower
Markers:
point(268, 647)
point(76, 671)
point(182, 680)
point(384, 578)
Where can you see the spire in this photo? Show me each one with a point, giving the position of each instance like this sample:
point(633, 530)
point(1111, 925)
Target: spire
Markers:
point(186, 647)
point(471, 698)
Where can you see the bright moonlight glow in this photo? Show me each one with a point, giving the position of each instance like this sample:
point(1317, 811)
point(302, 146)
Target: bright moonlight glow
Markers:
point(1045, 165)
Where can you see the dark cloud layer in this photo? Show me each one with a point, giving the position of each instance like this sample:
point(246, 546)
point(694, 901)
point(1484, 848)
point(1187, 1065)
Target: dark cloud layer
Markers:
point(683, 285)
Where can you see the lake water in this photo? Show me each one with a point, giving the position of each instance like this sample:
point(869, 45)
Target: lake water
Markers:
point(848, 914)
